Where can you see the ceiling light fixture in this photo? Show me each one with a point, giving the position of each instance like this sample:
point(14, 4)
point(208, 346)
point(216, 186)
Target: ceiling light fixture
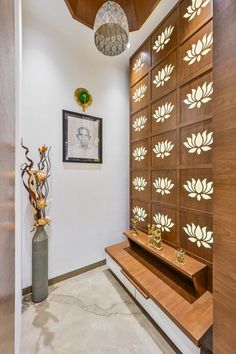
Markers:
point(111, 29)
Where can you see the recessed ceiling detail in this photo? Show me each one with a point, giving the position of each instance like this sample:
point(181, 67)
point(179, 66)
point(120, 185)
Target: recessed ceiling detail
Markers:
point(137, 11)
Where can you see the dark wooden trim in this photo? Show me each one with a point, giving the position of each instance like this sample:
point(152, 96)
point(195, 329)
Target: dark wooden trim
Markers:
point(68, 275)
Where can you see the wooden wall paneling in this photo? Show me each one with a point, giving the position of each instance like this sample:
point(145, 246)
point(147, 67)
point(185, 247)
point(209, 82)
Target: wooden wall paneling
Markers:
point(140, 185)
point(164, 186)
point(140, 94)
point(193, 226)
point(196, 99)
point(140, 125)
point(197, 143)
point(164, 76)
point(164, 150)
point(7, 176)
point(197, 189)
point(164, 114)
point(140, 63)
point(165, 38)
point(140, 155)
point(142, 211)
point(224, 174)
point(193, 15)
point(166, 218)
point(196, 53)
point(187, 92)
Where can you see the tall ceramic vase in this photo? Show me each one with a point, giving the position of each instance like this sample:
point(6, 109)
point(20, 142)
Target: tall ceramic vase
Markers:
point(40, 265)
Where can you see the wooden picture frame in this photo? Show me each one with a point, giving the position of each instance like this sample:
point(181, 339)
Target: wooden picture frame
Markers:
point(82, 138)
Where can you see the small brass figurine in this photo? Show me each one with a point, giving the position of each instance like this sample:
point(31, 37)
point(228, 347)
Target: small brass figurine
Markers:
point(180, 255)
point(134, 223)
point(154, 237)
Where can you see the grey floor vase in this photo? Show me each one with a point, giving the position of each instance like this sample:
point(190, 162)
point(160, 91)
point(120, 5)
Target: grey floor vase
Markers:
point(40, 265)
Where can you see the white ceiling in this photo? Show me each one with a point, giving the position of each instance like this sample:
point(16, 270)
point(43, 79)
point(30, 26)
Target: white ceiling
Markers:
point(55, 13)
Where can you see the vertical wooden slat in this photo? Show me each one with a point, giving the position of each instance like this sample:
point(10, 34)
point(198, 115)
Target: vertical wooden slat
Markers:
point(7, 178)
point(224, 165)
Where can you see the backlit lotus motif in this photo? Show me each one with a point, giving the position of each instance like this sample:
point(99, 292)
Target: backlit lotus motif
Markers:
point(198, 50)
point(163, 185)
point(199, 234)
point(163, 75)
point(163, 149)
point(139, 63)
point(139, 183)
point(139, 153)
point(163, 39)
point(199, 142)
point(139, 123)
point(163, 112)
point(140, 213)
point(163, 222)
point(199, 96)
point(195, 9)
point(199, 189)
point(139, 93)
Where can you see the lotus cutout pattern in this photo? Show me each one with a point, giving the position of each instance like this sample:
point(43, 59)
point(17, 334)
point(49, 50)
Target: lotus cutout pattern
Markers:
point(139, 123)
point(199, 96)
point(139, 93)
point(140, 213)
point(139, 183)
point(163, 112)
point(199, 189)
point(163, 149)
point(199, 142)
point(195, 9)
point(200, 235)
point(163, 39)
point(163, 222)
point(200, 49)
point(139, 63)
point(139, 153)
point(163, 75)
point(163, 185)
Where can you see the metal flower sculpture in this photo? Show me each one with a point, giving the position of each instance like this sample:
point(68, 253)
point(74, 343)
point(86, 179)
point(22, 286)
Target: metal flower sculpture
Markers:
point(35, 182)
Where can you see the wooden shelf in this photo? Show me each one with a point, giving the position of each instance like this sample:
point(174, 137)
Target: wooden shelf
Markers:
point(192, 269)
point(194, 317)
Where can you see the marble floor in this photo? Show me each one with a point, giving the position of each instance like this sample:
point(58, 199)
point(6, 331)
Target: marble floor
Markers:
point(89, 314)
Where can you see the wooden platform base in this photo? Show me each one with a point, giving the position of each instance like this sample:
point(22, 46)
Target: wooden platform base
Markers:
point(169, 299)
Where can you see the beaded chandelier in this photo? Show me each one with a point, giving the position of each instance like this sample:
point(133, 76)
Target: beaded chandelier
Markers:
point(111, 29)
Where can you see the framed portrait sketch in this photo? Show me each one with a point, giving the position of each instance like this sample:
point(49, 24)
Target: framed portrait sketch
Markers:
point(82, 138)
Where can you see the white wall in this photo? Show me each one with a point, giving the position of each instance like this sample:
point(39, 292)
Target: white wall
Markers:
point(89, 206)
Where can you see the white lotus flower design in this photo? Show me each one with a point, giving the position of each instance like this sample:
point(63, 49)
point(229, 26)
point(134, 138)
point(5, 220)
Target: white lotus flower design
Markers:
point(199, 142)
point(163, 222)
point(199, 96)
point(163, 75)
point(200, 235)
point(199, 189)
point(162, 149)
point(200, 49)
point(139, 183)
point(139, 63)
point(163, 39)
point(163, 185)
point(139, 153)
point(163, 112)
point(139, 123)
point(139, 93)
point(140, 213)
point(195, 9)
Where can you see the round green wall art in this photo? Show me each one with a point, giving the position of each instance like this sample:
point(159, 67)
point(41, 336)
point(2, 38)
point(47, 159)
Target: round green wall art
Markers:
point(83, 97)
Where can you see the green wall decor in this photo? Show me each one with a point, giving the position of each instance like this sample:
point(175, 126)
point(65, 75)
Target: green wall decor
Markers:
point(83, 98)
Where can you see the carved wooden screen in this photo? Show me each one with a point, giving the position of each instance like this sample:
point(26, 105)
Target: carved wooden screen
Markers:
point(171, 129)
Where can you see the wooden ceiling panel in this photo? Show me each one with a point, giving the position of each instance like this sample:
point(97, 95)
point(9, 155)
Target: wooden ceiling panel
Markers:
point(137, 11)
